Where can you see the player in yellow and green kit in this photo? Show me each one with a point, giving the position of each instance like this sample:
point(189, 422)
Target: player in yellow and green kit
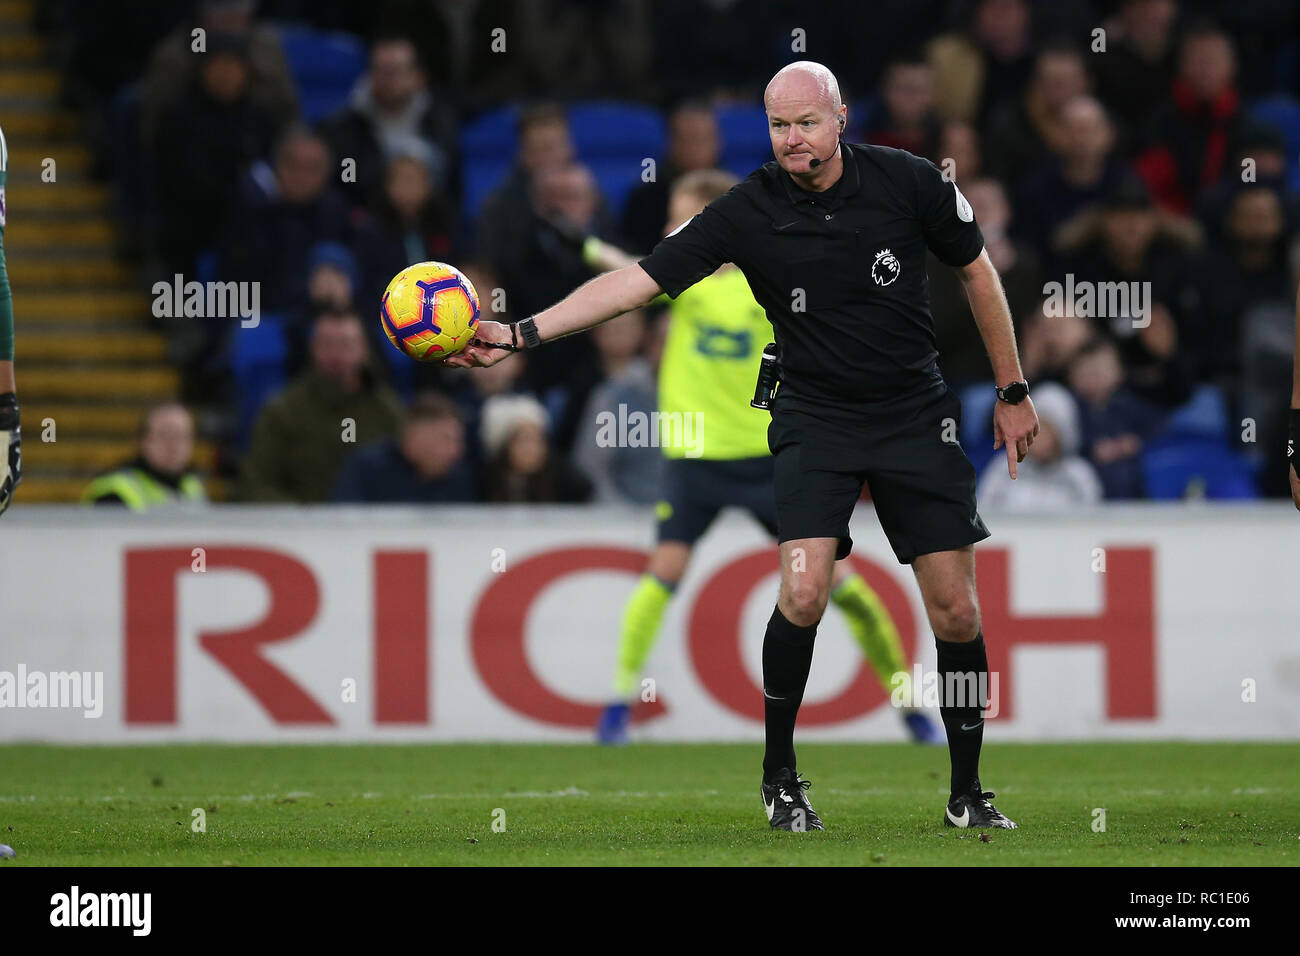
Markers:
point(716, 335)
point(11, 459)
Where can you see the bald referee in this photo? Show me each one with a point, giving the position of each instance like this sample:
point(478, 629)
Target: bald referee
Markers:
point(832, 238)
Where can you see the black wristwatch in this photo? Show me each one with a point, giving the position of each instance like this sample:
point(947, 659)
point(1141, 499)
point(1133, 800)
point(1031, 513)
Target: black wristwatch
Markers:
point(528, 329)
point(1013, 394)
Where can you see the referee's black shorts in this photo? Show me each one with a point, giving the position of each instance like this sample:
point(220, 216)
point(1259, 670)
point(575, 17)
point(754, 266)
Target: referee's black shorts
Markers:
point(923, 486)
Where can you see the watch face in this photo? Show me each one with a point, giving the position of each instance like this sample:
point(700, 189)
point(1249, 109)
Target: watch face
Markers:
point(1013, 393)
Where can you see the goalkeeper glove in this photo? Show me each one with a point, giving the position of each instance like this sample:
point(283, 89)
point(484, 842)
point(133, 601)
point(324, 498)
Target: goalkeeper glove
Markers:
point(11, 449)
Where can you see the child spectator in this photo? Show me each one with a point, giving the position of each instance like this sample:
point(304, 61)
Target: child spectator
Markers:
point(1054, 477)
point(332, 281)
point(1116, 422)
point(522, 468)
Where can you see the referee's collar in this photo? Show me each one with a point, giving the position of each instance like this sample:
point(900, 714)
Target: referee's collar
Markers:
point(844, 187)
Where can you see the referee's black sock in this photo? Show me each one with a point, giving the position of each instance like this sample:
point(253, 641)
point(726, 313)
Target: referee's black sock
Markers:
point(787, 659)
point(963, 675)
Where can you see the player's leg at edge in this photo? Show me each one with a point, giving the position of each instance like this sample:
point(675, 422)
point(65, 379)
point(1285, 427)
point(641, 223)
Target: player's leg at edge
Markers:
point(947, 583)
point(642, 616)
point(874, 631)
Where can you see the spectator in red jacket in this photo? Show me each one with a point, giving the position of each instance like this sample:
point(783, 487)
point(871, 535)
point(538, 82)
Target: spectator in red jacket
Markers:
point(1194, 137)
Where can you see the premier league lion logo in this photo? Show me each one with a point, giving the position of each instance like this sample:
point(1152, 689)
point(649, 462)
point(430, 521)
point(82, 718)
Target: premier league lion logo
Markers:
point(886, 268)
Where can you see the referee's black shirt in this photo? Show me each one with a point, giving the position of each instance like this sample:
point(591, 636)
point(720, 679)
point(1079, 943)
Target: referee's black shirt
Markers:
point(841, 273)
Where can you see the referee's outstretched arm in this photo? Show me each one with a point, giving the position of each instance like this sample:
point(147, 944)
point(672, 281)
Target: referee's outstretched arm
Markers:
point(1014, 426)
point(590, 304)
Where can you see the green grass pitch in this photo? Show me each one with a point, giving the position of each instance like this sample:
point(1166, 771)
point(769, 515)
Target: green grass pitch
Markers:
point(1166, 803)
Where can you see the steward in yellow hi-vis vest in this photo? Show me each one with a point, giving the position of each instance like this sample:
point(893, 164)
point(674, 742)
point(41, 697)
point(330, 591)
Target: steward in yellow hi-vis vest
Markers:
point(160, 475)
point(140, 488)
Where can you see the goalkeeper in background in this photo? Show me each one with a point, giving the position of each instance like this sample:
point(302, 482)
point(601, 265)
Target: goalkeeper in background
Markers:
point(11, 460)
point(715, 339)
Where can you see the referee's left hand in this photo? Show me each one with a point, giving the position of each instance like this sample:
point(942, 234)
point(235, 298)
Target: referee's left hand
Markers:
point(1015, 426)
point(480, 351)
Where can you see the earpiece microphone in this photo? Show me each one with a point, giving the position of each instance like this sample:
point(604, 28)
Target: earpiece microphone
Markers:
point(814, 163)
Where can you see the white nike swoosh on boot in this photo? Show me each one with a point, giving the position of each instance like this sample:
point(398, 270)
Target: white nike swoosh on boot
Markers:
point(961, 821)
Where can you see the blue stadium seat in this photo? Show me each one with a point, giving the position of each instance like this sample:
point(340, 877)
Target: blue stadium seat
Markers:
point(612, 138)
point(976, 435)
point(1171, 466)
point(478, 180)
point(1283, 112)
point(257, 360)
point(1204, 415)
point(615, 182)
point(402, 370)
point(205, 265)
point(487, 150)
point(745, 141)
point(325, 66)
point(491, 135)
point(623, 131)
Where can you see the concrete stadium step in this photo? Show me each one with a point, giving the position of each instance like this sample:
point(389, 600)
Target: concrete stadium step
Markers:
point(29, 271)
point(16, 10)
point(82, 421)
point(97, 384)
point(119, 305)
point(27, 162)
point(24, 126)
point(56, 489)
point(92, 456)
point(100, 345)
point(44, 489)
point(28, 81)
point(68, 234)
point(82, 456)
point(25, 200)
point(18, 48)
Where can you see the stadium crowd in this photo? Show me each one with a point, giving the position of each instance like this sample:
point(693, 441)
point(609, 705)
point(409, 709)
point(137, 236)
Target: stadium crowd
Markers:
point(1133, 141)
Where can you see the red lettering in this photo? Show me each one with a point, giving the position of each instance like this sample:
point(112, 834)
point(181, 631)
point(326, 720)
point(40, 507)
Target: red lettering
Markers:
point(401, 637)
point(715, 641)
point(497, 634)
point(1125, 628)
point(150, 625)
